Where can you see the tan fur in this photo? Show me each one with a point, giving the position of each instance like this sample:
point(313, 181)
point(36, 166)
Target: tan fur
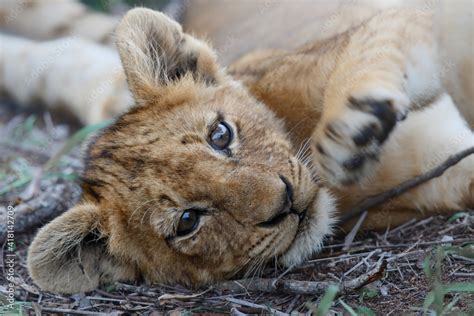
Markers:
point(31, 72)
point(49, 19)
point(294, 109)
point(239, 27)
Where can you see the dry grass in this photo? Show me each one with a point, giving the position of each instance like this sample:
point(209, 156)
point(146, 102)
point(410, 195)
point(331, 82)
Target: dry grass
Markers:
point(426, 267)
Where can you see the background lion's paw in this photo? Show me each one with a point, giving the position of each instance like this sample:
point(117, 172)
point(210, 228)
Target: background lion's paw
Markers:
point(348, 146)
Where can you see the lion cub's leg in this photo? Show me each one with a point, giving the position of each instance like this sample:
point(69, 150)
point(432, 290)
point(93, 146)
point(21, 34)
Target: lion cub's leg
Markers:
point(389, 65)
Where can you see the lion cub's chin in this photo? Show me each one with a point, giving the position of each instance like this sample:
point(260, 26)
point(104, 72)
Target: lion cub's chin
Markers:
point(316, 226)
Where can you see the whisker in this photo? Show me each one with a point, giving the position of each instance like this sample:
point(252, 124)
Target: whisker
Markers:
point(293, 129)
point(139, 207)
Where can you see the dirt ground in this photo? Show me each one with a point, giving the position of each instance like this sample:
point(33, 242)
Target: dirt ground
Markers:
point(415, 269)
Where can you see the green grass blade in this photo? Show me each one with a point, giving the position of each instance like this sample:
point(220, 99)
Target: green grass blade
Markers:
point(18, 183)
point(458, 216)
point(459, 287)
point(429, 300)
point(348, 308)
point(326, 302)
point(365, 311)
point(75, 140)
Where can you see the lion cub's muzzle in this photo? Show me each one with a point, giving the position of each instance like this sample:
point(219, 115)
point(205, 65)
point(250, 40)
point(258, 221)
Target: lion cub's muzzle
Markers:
point(286, 208)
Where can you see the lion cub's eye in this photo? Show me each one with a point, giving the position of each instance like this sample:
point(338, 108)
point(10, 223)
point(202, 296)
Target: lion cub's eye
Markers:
point(221, 137)
point(188, 222)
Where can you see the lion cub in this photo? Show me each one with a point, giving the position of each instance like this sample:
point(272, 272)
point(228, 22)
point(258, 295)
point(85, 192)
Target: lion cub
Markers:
point(202, 180)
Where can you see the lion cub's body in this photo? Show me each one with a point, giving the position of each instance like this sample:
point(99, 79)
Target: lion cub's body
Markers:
point(315, 77)
point(246, 26)
point(314, 129)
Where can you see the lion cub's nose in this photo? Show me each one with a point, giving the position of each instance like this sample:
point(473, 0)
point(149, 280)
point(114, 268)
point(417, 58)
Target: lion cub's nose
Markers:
point(288, 189)
point(285, 209)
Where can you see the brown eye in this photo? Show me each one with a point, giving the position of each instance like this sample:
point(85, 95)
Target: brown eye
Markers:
point(221, 136)
point(188, 222)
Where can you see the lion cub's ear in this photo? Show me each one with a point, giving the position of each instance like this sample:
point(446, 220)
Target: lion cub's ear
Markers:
point(70, 256)
point(156, 53)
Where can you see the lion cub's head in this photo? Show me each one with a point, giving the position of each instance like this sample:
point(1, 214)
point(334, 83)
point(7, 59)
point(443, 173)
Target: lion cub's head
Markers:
point(197, 183)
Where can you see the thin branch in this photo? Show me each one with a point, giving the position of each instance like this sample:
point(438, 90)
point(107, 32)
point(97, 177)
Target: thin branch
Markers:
point(405, 245)
point(258, 306)
point(68, 311)
point(163, 299)
point(299, 287)
point(350, 237)
point(383, 197)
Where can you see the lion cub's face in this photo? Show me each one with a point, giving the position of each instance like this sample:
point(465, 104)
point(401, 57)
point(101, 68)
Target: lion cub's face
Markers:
point(196, 184)
point(201, 191)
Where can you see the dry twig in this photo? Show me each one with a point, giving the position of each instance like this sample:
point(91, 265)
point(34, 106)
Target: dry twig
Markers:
point(180, 297)
point(350, 237)
point(261, 307)
point(68, 311)
point(299, 287)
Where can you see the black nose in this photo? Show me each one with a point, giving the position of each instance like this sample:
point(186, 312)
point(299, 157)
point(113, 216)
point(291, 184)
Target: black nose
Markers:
point(289, 189)
point(285, 209)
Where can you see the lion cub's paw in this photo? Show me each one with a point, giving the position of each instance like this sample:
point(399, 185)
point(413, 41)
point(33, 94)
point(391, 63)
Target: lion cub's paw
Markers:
point(348, 145)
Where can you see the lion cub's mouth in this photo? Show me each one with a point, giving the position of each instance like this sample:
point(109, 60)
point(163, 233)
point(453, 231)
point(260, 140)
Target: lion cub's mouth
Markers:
point(280, 217)
point(285, 210)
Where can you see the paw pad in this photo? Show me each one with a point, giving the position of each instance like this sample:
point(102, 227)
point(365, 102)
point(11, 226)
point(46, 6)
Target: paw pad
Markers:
point(348, 146)
point(354, 163)
point(383, 110)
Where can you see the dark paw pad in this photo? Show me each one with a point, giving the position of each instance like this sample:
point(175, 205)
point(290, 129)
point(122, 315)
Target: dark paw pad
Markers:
point(354, 163)
point(383, 110)
point(366, 135)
